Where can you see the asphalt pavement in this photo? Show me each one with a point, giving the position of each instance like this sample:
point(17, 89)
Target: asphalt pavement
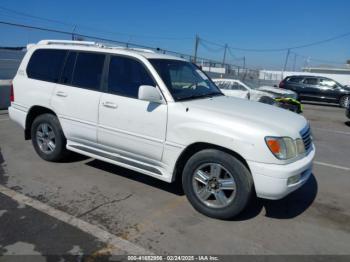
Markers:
point(155, 216)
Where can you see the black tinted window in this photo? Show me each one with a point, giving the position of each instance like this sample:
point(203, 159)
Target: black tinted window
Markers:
point(88, 70)
point(311, 81)
point(67, 73)
point(46, 64)
point(126, 76)
point(295, 79)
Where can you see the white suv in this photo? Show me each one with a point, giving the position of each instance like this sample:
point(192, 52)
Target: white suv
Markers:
point(163, 117)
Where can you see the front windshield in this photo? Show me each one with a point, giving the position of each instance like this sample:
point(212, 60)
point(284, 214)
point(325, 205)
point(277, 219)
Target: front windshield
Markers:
point(184, 80)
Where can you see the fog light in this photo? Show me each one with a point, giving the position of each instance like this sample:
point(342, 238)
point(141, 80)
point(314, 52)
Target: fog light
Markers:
point(293, 179)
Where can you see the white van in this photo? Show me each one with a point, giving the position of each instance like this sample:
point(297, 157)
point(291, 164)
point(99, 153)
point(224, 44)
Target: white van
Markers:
point(163, 117)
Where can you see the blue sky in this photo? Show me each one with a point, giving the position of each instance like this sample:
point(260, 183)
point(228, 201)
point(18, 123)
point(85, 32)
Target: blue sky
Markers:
point(173, 25)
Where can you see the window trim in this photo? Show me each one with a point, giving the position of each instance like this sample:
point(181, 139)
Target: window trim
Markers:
point(105, 84)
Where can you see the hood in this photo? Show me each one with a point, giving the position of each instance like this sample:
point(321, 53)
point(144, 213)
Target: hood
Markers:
point(278, 91)
point(247, 115)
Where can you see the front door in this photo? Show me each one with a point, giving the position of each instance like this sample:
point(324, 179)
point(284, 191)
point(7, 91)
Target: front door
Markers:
point(133, 128)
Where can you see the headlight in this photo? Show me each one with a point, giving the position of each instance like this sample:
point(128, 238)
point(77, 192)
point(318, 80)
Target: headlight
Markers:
point(300, 146)
point(282, 147)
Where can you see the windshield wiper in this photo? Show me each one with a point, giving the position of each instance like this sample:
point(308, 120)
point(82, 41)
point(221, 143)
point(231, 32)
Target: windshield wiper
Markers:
point(199, 96)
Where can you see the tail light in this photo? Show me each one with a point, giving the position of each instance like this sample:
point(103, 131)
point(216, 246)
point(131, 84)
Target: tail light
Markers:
point(281, 85)
point(12, 94)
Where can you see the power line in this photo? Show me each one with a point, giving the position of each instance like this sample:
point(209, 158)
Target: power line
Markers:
point(285, 48)
point(203, 44)
point(318, 60)
point(89, 28)
point(183, 55)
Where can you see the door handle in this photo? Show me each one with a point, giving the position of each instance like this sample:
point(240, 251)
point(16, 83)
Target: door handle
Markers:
point(61, 94)
point(109, 104)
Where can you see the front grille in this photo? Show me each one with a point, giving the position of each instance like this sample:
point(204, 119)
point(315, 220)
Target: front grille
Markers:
point(305, 134)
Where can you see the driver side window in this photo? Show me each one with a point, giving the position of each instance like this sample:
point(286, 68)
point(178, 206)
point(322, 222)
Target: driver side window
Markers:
point(126, 75)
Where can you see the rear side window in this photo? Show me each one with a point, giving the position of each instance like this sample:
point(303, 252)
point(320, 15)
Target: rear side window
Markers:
point(126, 75)
point(295, 79)
point(88, 70)
point(46, 64)
point(311, 81)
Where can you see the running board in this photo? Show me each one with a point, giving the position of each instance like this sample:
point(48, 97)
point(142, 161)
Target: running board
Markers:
point(117, 159)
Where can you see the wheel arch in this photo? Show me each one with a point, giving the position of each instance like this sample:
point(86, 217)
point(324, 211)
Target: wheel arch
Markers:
point(196, 147)
point(34, 112)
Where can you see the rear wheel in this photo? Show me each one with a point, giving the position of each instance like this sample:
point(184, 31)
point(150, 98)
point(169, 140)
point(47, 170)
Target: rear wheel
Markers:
point(48, 139)
point(217, 184)
point(344, 101)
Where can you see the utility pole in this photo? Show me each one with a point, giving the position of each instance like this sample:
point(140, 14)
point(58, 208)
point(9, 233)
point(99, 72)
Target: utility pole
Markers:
point(196, 43)
point(224, 58)
point(73, 36)
point(285, 62)
point(243, 62)
point(295, 60)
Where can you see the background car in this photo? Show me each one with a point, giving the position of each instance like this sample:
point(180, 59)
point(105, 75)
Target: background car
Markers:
point(286, 99)
point(314, 88)
point(237, 88)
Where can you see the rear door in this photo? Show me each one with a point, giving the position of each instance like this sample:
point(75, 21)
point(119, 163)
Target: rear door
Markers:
point(294, 83)
point(43, 72)
point(77, 95)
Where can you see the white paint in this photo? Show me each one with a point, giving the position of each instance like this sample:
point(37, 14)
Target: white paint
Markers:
point(331, 165)
point(343, 79)
point(117, 244)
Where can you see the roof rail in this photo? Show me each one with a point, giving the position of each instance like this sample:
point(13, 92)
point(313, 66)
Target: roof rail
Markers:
point(67, 42)
point(88, 43)
point(128, 48)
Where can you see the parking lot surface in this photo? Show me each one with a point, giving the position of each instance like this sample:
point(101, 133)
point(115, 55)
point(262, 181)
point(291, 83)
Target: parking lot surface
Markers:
point(157, 217)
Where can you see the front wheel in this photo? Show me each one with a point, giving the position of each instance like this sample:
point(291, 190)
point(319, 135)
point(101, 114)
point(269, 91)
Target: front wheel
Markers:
point(344, 101)
point(217, 184)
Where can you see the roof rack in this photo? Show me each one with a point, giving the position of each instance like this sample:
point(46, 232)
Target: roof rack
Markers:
point(67, 42)
point(88, 43)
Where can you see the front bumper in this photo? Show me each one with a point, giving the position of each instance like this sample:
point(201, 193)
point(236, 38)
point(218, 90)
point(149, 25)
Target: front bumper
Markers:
point(271, 180)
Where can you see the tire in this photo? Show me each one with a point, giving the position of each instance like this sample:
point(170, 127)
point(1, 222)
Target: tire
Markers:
point(344, 101)
point(55, 150)
point(229, 167)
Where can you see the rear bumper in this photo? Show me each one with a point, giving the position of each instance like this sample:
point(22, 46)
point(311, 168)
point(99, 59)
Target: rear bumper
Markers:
point(271, 180)
point(18, 115)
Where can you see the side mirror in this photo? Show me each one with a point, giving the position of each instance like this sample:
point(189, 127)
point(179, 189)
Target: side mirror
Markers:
point(150, 93)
